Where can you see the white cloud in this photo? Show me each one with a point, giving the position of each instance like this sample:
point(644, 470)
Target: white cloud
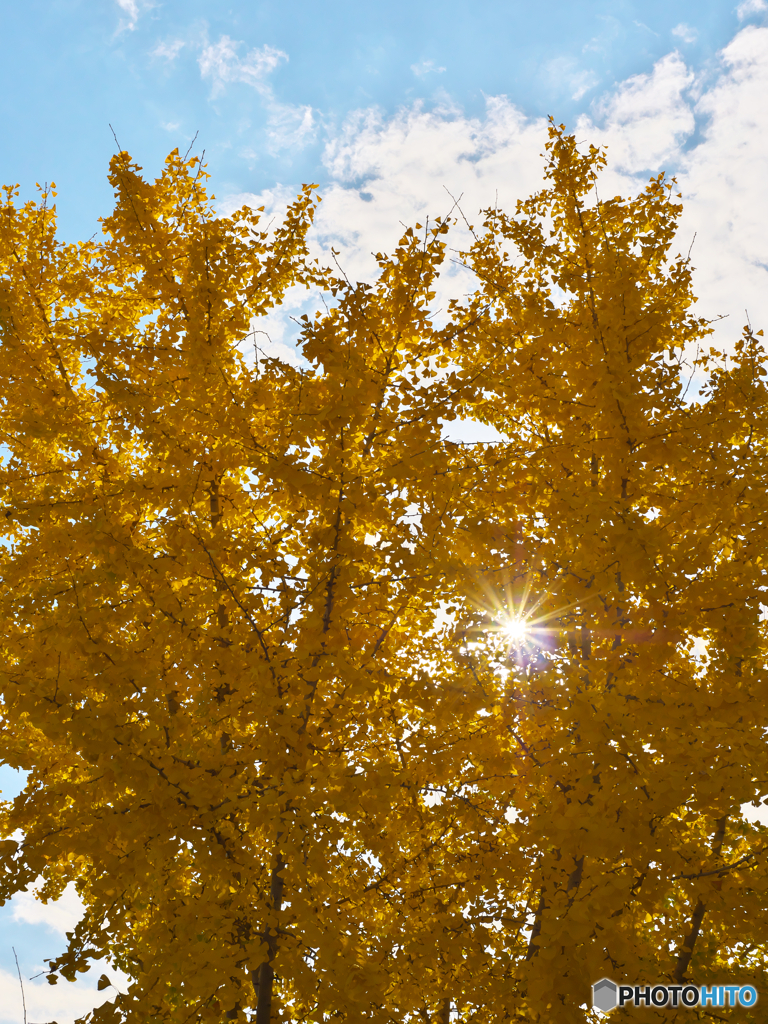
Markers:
point(648, 123)
point(471, 432)
point(757, 815)
point(563, 74)
point(581, 83)
point(426, 67)
point(220, 62)
point(64, 1003)
point(288, 125)
point(685, 33)
point(711, 132)
point(641, 24)
point(723, 183)
point(645, 119)
point(750, 7)
point(265, 343)
point(388, 172)
point(59, 915)
point(132, 10)
point(169, 50)
point(274, 200)
point(273, 335)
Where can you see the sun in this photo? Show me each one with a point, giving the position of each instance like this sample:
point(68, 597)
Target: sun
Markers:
point(518, 619)
point(515, 629)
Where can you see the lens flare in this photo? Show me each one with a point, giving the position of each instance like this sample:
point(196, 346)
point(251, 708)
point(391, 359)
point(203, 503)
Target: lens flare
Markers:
point(515, 630)
point(519, 621)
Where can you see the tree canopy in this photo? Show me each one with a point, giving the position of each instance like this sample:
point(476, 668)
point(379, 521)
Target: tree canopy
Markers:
point(328, 717)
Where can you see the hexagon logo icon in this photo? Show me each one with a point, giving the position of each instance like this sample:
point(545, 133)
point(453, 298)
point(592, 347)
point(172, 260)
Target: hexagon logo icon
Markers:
point(604, 995)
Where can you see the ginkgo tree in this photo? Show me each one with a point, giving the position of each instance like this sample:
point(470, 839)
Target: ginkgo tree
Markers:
point(328, 717)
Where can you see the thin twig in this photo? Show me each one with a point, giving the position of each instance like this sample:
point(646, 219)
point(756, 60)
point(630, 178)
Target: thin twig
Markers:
point(21, 983)
point(456, 206)
point(114, 136)
point(190, 146)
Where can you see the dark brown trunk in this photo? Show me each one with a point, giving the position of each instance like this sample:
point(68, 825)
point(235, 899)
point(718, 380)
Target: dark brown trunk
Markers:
point(686, 952)
point(444, 1013)
point(263, 978)
point(533, 948)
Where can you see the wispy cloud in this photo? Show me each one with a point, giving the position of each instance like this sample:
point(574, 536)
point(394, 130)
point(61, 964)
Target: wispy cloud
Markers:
point(563, 74)
point(168, 50)
point(581, 83)
point(221, 63)
point(749, 7)
point(426, 67)
point(132, 10)
point(641, 24)
point(685, 33)
point(288, 125)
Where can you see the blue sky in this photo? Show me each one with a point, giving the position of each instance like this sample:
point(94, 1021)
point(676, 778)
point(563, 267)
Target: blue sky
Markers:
point(385, 106)
point(73, 67)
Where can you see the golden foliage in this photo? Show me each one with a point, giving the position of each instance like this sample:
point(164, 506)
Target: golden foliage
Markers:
point(305, 689)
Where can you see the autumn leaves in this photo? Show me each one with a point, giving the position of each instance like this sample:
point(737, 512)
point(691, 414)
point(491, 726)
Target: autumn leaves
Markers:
point(248, 655)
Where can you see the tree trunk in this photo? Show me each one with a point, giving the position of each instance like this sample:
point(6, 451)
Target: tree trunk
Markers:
point(684, 958)
point(533, 949)
point(264, 977)
point(685, 954)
